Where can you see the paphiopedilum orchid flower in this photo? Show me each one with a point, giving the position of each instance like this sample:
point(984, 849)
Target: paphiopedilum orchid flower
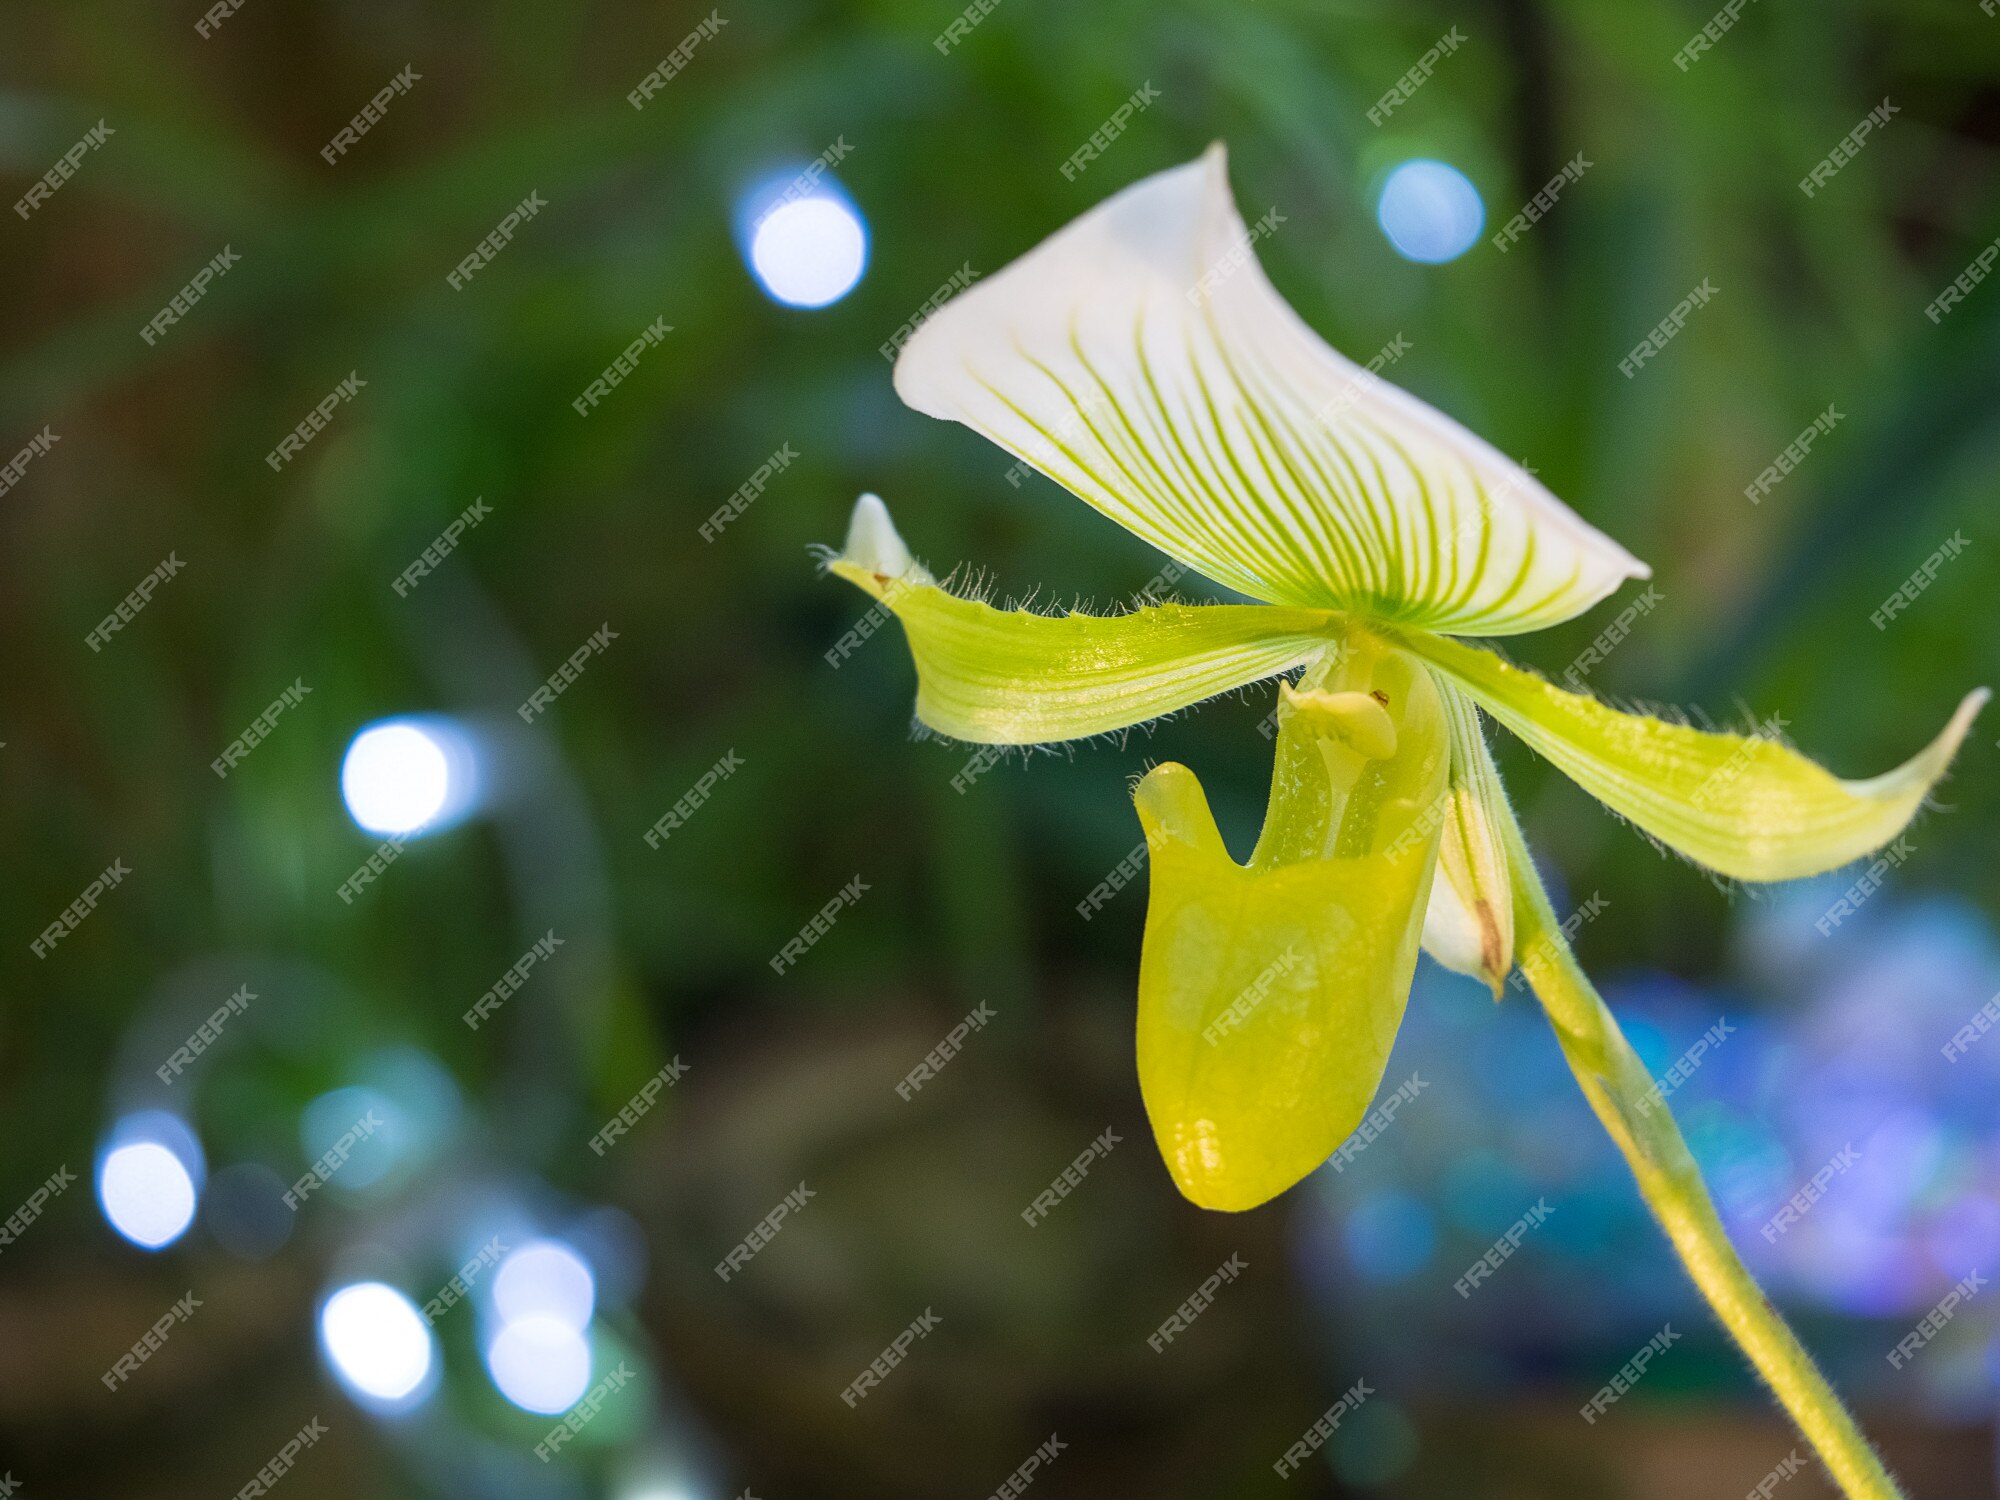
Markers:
point(1140, 358)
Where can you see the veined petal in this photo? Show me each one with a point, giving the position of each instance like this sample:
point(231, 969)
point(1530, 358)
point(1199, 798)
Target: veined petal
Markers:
point(1011, 677)
point(1470, 924)
point(1270, 993)
point(1748, 806)
point(1140, 358)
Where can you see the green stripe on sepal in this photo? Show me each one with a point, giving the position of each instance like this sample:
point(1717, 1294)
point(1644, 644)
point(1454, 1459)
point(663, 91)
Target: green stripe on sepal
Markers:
point(1748, 806)
point(1012, 677)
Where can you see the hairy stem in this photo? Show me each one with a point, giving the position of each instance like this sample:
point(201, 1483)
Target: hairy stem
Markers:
point(1620, 1091)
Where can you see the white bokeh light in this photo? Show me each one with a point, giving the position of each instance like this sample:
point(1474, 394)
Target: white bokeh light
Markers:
point(147, 1192)
point(545, 1278)
point(810, 251)
point(541, 1364)
point(376, 1342)
point(1430, 211)
point(405, 775)
point(150, 1171)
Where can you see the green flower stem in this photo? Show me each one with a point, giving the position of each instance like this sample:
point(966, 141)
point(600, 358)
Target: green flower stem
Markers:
point(1617, 1086)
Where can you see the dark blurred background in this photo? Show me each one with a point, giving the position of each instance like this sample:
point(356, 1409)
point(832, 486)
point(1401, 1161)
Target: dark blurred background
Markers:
point(168, 1178)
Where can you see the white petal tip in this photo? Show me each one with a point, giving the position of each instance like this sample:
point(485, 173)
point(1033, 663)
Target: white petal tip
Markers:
point(873, 541)
point(1930, 762)
point(1961, 725)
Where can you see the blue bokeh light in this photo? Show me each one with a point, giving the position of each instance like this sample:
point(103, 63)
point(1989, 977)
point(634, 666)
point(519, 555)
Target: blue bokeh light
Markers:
point(1836, 1091)
point(410, 776)
point(402, 1110)
point(149, 1177)
point(540, 1363)
point(1430, 211)
point(378, 1344)
point(802, 237)
point(545, 1278)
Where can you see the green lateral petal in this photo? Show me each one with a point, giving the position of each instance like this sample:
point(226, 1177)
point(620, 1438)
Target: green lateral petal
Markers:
point(1140, 358)
point(1011, 677)
point(1270, 994)
point(1470, 924)
point(1745, 805)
